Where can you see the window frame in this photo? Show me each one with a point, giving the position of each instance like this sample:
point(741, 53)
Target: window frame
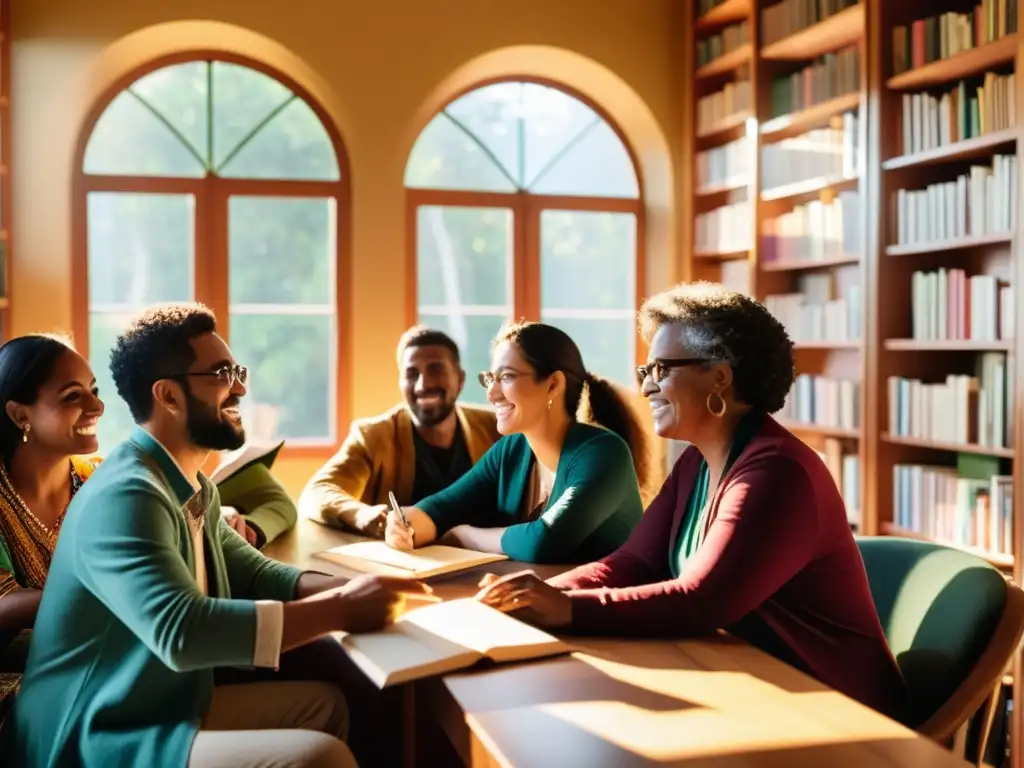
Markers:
point(211, 258)
point(527, 208)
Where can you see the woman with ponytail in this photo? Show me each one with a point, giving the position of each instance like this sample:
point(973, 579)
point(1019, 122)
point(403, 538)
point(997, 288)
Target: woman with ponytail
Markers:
point(563, 483)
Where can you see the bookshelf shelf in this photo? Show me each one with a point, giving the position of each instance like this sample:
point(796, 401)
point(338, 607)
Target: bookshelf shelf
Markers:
point(818, 345)
point(730, 124)
point(961, 65)
point(721, 187)
point(957, 244)
point(938, 445)
point(726, 62)
point(796, 265)
point(807, 428)
point(981, 146)
point(798, 122)
point(722, 14)
point(721, 255)
point(953, 345)
point(808, 187)
point(835, 32)
point(996, 558)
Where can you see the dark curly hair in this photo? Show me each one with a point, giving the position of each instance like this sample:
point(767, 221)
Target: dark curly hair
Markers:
point(725, 326)
point(155, 346)
point(549, 349)
point(26, 364)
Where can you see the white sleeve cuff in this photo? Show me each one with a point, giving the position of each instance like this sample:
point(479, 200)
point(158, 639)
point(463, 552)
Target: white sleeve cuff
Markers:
point(269, 633)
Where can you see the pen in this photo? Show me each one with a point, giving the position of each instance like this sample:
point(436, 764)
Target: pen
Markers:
point(397, 509)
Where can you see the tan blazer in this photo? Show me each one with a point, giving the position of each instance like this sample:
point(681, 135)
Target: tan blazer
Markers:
point(379, 456)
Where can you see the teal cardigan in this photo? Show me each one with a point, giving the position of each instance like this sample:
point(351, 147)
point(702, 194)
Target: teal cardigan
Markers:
point(120, 671)
point(593, 507)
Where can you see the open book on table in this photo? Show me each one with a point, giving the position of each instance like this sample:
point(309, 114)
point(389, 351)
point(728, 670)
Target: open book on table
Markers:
point(445, 637)
point(434, 560)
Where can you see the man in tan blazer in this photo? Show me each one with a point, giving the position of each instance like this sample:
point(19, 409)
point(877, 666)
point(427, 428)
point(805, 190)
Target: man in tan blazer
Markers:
point(414, 449)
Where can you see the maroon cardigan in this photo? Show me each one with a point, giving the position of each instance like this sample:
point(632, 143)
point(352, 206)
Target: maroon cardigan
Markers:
point(778, 567)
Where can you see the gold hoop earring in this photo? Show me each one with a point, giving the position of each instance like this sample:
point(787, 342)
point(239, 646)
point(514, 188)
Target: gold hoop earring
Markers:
point(24, 433)
point(721, 411)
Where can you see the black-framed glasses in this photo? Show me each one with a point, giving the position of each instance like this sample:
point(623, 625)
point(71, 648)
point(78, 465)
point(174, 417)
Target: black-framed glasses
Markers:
point(661, 367)
point(228, 374)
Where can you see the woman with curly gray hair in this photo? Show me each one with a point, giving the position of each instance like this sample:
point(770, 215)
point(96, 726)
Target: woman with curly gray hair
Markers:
point(748, 534)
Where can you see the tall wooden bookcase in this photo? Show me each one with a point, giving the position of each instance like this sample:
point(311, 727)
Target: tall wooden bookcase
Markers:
point(5, 168)
point(895, 262)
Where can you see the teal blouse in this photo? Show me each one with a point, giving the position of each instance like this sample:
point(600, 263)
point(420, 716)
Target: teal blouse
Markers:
point(691, 532)
point(593, 507)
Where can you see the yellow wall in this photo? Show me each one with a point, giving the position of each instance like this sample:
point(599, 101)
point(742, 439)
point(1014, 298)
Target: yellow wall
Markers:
point(380, 69)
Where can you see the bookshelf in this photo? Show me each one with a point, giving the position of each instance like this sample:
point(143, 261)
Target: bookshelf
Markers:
point(778, 133)
point(857, 173)
point(5, 165)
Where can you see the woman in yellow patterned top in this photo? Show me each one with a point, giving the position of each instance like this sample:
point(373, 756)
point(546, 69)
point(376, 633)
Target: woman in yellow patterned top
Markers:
point(50, 410)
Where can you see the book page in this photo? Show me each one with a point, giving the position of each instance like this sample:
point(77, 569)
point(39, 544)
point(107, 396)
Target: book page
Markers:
point(398, 654)
point(471, 624)
point(426, 561)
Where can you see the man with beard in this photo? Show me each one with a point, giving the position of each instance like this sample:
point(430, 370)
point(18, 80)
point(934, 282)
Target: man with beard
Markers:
point(415, 449)
point(150, 590)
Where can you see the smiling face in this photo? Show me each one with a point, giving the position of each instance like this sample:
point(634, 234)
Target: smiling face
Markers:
point(679, 400)
point(431, 382)
point(520, 401)
point(63, 418)
point(213, 419)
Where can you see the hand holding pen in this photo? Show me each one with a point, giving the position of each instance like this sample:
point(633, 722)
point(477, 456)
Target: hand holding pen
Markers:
point(398, 534)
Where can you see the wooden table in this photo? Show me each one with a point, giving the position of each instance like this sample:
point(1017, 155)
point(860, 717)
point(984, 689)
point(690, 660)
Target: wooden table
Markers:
point(712, 703)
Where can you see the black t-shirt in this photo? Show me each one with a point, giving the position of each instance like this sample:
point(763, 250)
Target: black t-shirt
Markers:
point(437, 468)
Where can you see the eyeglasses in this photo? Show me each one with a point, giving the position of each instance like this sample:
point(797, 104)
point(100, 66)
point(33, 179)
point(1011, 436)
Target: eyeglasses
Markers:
point(660, 369)
point(228, 374)
point(487, 379)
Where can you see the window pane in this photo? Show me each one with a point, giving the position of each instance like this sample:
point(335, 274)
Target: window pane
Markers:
point(445, 157)
point(588, 260)
point(282, 250)
point(492, 115)
point(473, 334)
point(140, 248)
point(117, 423)
point(130, 140)
point(180, 94)
point(588, 285)
point(243, 98)
point(464, 256)
point(608, 345)
point(597, 165)
point(552, 121)
point(140, 253)
point(292, 145)
point(292, 365)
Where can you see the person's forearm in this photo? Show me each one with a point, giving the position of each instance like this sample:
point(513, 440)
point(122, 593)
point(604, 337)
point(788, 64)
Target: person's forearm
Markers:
point(312, 582)
point(478, 539)
point(304, 622)
point(422, 525)
point(18, 609)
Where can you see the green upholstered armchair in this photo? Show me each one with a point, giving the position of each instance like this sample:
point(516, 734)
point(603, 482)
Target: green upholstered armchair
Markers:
point(952, 621)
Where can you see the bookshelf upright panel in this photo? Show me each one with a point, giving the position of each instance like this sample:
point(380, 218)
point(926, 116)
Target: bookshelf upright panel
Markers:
point(5, 168)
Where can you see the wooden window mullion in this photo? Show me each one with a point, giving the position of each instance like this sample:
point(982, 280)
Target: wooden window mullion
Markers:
point(211, 251)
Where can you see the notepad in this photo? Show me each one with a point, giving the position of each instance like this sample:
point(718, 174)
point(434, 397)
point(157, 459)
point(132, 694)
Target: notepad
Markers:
point(434, 560)
point(445, 637)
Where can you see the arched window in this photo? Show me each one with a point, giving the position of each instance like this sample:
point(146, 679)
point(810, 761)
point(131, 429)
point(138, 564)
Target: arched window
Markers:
point(526, 204)
point(213, 181)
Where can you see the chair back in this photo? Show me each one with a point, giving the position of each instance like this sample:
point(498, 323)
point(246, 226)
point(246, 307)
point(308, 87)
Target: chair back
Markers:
point(952, 622)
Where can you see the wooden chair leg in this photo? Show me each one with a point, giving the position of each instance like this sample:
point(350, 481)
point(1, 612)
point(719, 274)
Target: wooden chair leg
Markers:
point(988, 715)
point(959, 747)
